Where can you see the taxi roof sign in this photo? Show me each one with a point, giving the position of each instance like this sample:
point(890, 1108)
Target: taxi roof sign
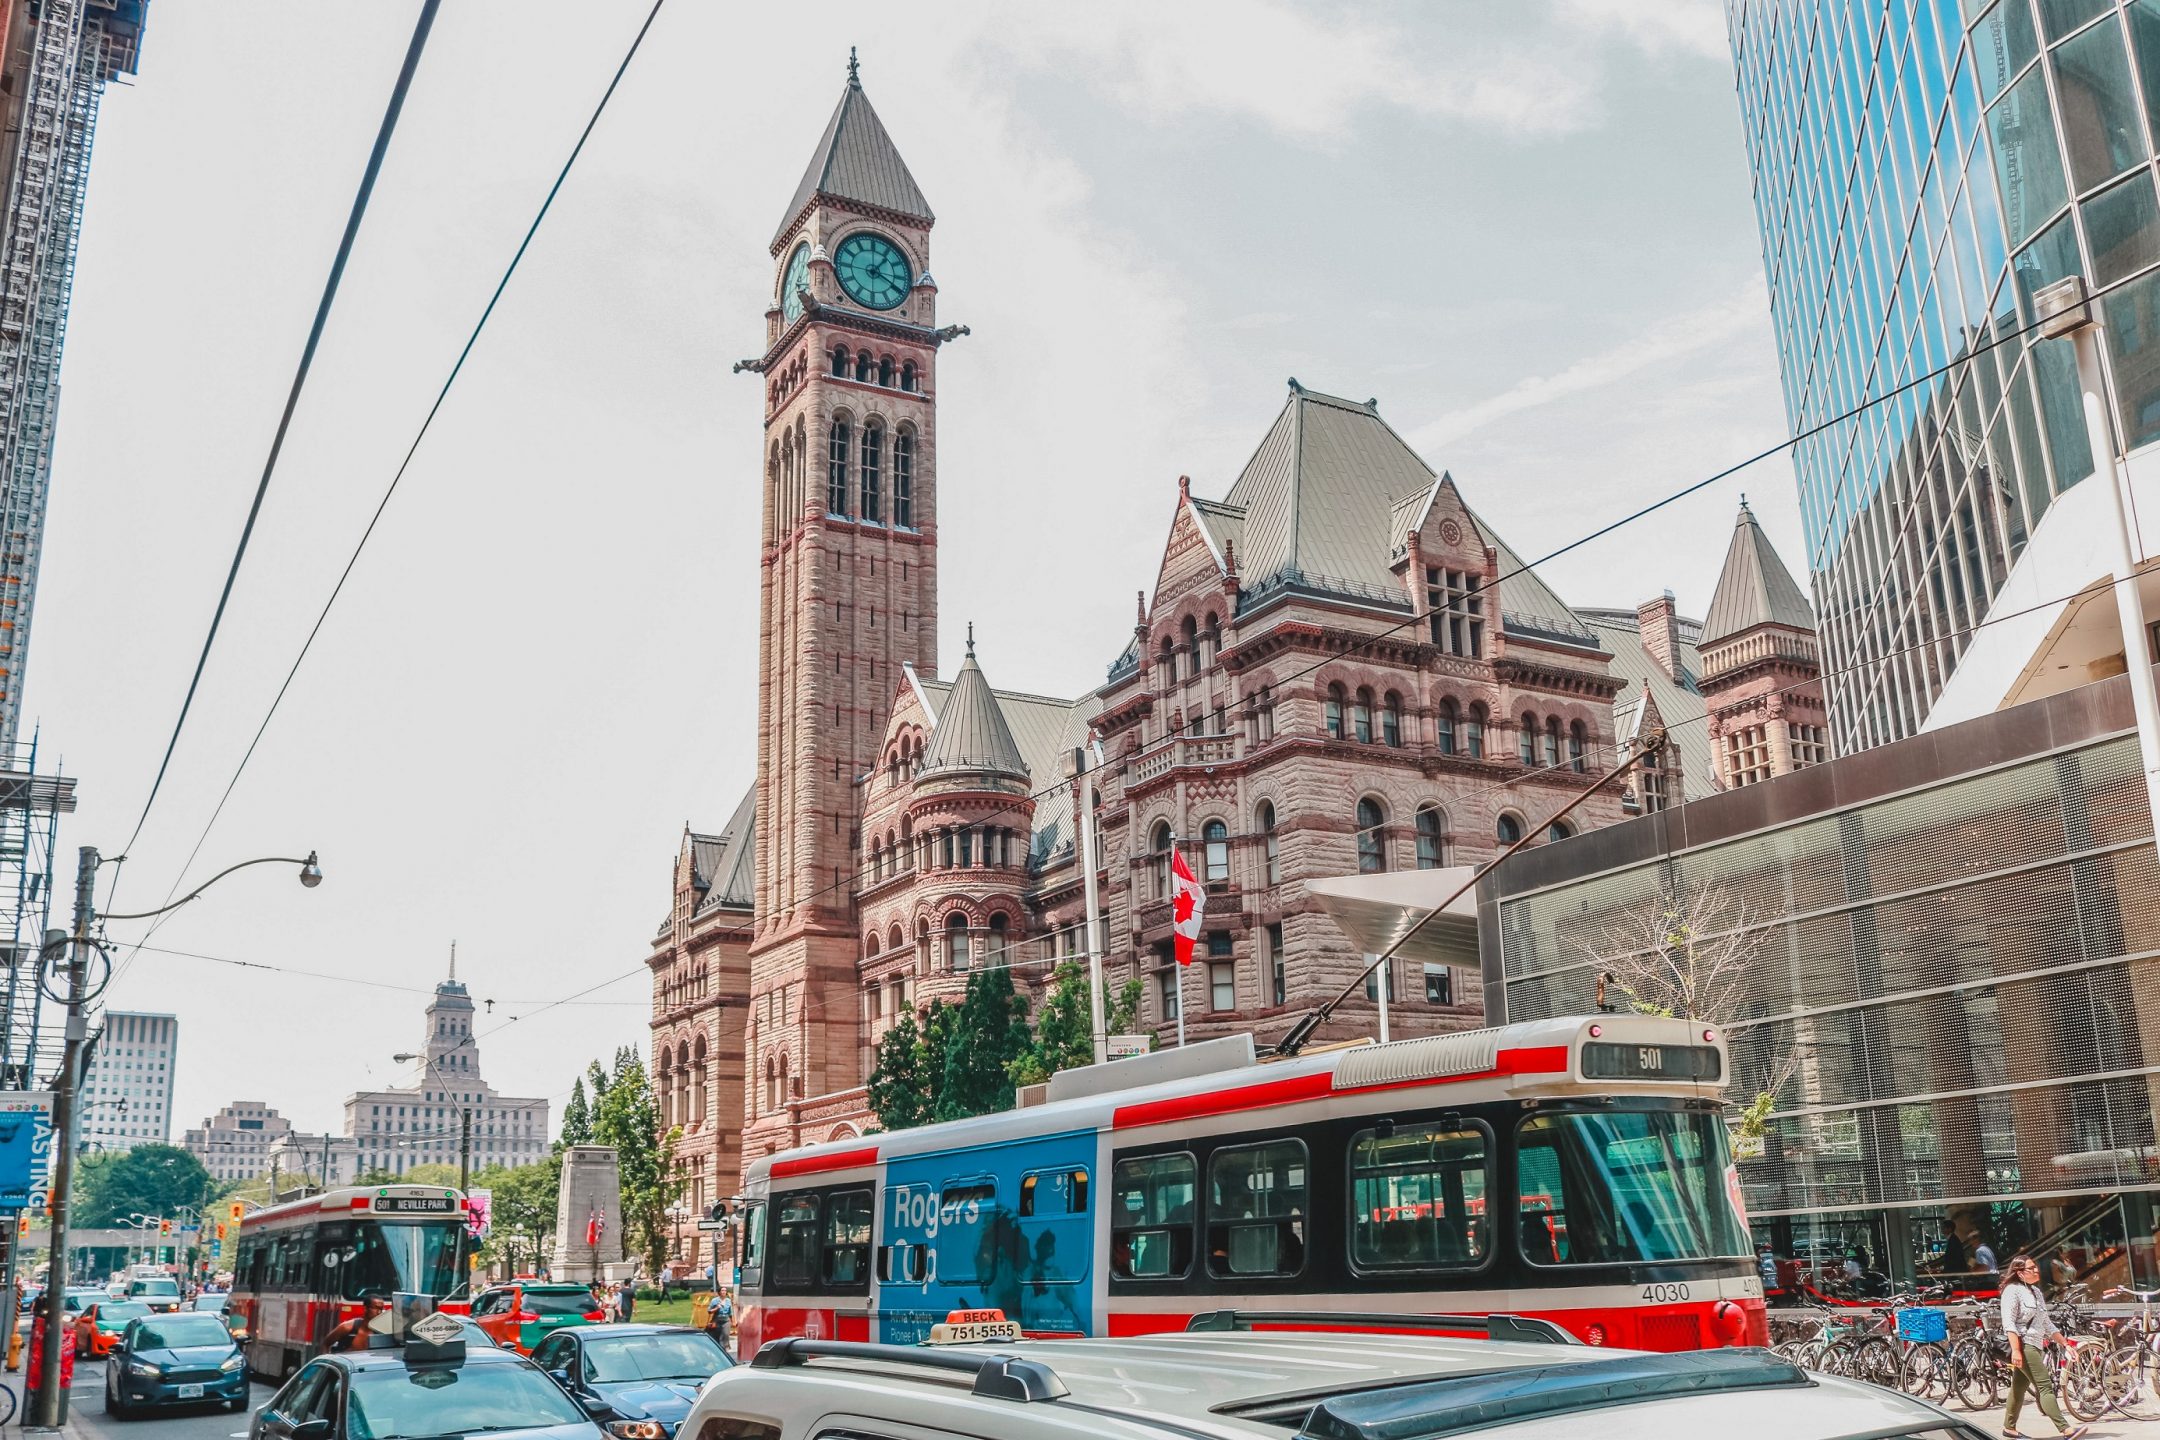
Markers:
point(970, 1327)
point(434, 1339)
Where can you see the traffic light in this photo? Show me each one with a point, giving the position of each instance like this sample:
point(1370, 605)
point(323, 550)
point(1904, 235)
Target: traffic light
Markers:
point(22, 1223)
point(221, 1231)
point(237, 1210)
point(164, 1227)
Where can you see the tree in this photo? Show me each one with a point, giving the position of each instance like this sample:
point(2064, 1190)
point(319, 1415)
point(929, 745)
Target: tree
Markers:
point(1062, 1039)
point(900, 1090)
point(430, 1174)
point(147, 1180)
point(522, 1202)
point(577, 1116)
point(627, 1118)
point(989, 1031)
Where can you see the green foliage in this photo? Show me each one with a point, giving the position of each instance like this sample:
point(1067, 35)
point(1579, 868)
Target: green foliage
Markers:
point(1124, 1017)
point(989, 1031)
point(626, 1117)
point(1752, 1123)
point(1062, 1040)
point(147, 1180)
point(522, 1205)
point(577, 1116)
point(900, 1092)
point(430, 1174)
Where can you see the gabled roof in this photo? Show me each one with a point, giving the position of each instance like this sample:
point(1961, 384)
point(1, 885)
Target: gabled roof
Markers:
point(856, 160)
point(1679, 703)
point(1754, 588)
point(970, 733)
point(724, 866)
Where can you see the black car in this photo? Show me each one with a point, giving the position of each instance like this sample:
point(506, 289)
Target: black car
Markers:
point(182, 1359)
point(638, 1381)
point(361, 1394)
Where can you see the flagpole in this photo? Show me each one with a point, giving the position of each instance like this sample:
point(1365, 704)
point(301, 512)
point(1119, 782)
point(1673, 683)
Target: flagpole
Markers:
point(1181, 1007)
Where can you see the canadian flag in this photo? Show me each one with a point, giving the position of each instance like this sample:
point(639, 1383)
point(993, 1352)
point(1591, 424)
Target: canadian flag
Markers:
point(594, 1227)
point(1188, 906)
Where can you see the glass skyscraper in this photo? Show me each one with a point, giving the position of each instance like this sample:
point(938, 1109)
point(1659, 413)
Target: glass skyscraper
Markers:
point(1921, 168)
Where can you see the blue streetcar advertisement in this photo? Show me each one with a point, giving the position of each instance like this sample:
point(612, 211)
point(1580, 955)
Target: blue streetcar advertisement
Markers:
point(994, 1227)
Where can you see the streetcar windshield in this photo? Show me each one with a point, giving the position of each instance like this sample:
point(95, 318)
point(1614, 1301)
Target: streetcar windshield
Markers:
point(1613, 1187)
point(394, 1258)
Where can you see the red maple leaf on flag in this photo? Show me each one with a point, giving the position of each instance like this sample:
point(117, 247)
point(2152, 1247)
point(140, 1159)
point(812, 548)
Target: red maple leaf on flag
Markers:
point(1187, 905)
point(1181, 908)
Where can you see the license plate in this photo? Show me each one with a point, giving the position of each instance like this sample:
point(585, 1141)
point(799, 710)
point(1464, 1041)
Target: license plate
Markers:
point(191, 1392)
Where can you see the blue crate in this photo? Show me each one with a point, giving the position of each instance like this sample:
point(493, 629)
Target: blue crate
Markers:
point(1921, 1323)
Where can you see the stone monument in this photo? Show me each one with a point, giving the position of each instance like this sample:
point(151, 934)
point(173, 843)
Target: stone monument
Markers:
point(588, 1216)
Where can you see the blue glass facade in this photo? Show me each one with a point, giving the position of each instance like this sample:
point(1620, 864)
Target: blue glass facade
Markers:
point(1921, 167)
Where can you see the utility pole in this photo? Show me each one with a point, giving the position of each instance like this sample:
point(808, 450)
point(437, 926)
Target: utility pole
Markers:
point(51, 1407)
point(464, 1150)
point(1097, 1026)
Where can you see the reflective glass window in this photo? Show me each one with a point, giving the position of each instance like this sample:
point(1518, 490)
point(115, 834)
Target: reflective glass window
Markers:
point(2145, 46)
point(2101, 126)
point(2027, 167)
point(2003, 43)
point(2060, 17)
point(1417, 1198)
point(2123, 227)
point(2133, 333)
point(1151, 1217)
point(1256, 1208)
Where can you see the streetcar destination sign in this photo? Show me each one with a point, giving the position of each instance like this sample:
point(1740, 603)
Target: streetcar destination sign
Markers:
point(416, 1204)
point(1604, 1060)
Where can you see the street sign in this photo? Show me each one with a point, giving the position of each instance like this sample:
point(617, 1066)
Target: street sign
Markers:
point(1125, 1047)
point(712, 1227)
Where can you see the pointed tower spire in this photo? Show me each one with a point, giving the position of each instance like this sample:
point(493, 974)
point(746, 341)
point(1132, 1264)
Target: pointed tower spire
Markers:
point(971, 733)
point(453, 962)
point(856, 162)
point(1754, 588)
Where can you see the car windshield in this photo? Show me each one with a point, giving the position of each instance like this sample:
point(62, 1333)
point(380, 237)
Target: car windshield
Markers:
point(154, 1287)
point(1606, 1187)
point(210, 1302)
point(170, 1332)
point(559, 1302)
point(394, 1403)
point(115, 1313)
point(690, 1355)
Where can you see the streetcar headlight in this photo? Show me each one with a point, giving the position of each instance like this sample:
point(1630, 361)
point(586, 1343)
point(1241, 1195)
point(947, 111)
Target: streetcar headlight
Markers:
point(636, 1430)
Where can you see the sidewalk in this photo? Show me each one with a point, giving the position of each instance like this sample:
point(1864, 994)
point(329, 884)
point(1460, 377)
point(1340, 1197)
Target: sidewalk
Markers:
point(2035, 1426)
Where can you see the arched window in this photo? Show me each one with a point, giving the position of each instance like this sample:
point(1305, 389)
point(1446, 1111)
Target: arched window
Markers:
point(885, 372)
point(1334, 712)
point(1430, 854)
point(1371, 843)
point(772, 1085)
point(1214, 639)
point(1577, 744)
point(1159, 847)
point(1391, 720)
point(1270, 844)
point(1447, 727)
point(836, 457)
point(873, 463)
point(1558, 830)
point(1552, 741)
point(907, 375)
point(1000, 940)
point(1474, 733)
point(1191, 631)
point(1529, 738)
point(1215, 836)
point(871, 950)
point(1361, 716)
point(785, 1093)
point(865, 367)
point(1509, 830)
point(894, 937)
point(1166, 662)
point(903, 478)
point(840, 361)
point(956, 942)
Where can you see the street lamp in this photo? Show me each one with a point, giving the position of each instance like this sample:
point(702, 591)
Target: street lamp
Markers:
point(2065, 312)
point(50, 1397)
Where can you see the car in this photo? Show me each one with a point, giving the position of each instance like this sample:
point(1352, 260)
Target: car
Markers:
point(472, 1334)
point(159, 1292)
point(403, 1392)
point(213, 1303)
point(74, 1300)
point(1229, 1382)
point(182, 1359)
point(517, 1315)
point(97, 1329)
point(637, 1380)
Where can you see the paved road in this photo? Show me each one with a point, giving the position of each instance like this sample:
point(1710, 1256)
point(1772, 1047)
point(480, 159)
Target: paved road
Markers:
point(86, 1407)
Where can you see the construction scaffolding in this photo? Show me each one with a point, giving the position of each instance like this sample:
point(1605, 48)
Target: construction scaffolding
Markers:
point(31, 803)
point(59, 69)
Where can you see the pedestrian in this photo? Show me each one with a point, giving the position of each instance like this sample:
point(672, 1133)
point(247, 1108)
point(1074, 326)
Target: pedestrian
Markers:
point(603, 1300)
point(2029, 1329)
point(1983, 1255)
point(626, 1302)
point(1953, 1251)
point(665, 1275)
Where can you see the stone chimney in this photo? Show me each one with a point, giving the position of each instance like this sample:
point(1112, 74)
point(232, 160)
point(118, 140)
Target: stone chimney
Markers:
point(1659, 622)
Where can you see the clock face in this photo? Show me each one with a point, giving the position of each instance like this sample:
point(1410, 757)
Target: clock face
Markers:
point(872, 269)
point(792, 283)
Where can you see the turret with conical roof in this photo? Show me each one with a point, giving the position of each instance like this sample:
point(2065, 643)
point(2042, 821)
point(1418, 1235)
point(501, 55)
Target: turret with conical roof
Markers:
point(1754, 588)
point(1761, 664)
point(971, 736)
point(857, 165)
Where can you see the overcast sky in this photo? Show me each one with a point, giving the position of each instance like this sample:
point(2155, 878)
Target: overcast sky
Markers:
point(1524, 227)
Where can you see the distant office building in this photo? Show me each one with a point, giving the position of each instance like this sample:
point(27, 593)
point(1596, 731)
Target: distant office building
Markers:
point(129, 1088)
point(296, 1158)
point(55, 59)
point(234, 1144)
point(394, 1130)
point(1921, 168)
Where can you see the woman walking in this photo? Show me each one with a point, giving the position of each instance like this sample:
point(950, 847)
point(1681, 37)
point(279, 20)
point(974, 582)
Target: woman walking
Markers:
point(2029, 1329)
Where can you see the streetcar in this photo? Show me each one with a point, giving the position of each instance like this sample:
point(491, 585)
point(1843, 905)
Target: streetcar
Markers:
point(305, 1266)
point(1572, 1169)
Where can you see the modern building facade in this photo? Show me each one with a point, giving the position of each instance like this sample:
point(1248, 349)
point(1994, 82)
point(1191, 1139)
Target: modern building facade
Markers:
point(1341, 668)
point(234, 1144)
point(128, 1092)
point(1946, 963)
point(392, 1130)
point(297, 1157)
point(1921, 168)
point(56, 57)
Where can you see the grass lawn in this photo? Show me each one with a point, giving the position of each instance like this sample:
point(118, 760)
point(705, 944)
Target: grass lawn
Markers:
point(671, 1312)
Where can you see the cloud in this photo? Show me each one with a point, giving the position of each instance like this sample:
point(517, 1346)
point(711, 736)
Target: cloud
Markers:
point(1670, 340)
point(1693, 28)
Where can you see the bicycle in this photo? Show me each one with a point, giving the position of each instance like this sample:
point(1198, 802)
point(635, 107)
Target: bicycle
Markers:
point(2136, 1344)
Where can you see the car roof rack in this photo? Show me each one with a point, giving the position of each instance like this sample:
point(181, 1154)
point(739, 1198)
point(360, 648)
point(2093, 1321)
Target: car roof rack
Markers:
point(1435, 1408)
point(997, 1377)
point(1492, 1327)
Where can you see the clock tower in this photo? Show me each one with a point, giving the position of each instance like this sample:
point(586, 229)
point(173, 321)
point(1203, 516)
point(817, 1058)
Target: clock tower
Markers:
point(848, 591)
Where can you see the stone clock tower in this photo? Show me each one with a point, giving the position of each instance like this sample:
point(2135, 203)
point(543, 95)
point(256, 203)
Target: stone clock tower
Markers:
point(848, 589)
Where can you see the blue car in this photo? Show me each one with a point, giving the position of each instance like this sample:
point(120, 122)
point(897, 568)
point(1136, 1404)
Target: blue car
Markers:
point(178, 1359)
point(638, 1381)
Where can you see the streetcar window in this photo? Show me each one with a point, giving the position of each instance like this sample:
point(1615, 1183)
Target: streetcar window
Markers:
point(847, 1237)
point(1256, 1209)
point(1151, 1217)
point(1618, 1187)
point(795, 1240)
point(1417, 1198)
point(900, 1264)
point(753, 1237)
point(967, 1231)
point(1053, 1192)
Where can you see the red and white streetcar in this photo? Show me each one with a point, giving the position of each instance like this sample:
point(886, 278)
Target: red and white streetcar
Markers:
point(1571, 1169)
point(305, 1266)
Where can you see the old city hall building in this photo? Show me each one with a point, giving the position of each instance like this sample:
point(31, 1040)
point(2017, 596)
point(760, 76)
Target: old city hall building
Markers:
point(1341, 668)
